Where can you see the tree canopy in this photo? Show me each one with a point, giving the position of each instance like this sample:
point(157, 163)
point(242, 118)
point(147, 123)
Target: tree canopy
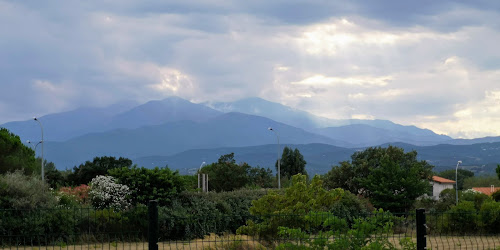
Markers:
point(462, 174)
point(14, 155)
point(226, 175)
point(84, 173)
point(389, 177)
point(292, 163)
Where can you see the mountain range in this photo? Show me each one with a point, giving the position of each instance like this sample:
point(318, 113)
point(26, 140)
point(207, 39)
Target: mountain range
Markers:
point(173, 129)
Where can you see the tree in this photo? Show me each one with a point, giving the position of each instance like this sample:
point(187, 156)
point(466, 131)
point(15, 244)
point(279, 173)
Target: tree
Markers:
point(389, 177)
point(498, 171)
point(461, 174)
point(260, 177)
point(14, 155)
point(226, 175)
point(160, 184)
point(481, 181)
point(292, 163)
point(84, 173)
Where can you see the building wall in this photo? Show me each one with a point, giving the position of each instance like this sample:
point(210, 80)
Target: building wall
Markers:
point(437, 188)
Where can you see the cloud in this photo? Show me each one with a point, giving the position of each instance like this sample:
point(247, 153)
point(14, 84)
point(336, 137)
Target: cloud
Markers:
point(413, 63)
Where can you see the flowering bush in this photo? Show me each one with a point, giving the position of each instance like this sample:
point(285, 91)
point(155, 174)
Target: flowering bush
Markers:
point(106, 193)
point(80, 193)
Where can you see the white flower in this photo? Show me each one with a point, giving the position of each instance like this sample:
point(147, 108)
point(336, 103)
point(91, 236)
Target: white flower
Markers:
point(106, 193)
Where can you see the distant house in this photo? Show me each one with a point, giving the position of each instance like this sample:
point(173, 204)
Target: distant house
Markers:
point(439, 184)
point(486, 190)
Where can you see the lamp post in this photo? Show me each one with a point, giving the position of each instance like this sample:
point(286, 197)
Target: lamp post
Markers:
point(41, 127)
point(456, 179)
point(279, 169)
point(36, 145)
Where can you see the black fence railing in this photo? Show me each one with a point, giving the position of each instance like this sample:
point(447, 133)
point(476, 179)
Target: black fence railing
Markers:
point(156, 227)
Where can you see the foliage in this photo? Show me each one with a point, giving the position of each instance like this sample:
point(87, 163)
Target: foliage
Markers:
point(496, 195)
point(463, 217)
point(80, 193)
point(481, 181)
point(106, 193)
point(18, 191)
point(160, 184)
point(194, 215)
point(226, 175)
point(389, 177)
point(473, 196)
point(299, 199)
point(489, 216)
point(498, 171)
point(14, 155)
point(260, 177)
point(461, 175)
point(335, 233)
point(291, 163)
point(84, 173)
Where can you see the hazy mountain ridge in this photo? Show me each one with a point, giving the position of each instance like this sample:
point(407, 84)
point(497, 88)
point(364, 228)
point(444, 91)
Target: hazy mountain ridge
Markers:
point(328, 127)
point(175, 125)
point(480, 158)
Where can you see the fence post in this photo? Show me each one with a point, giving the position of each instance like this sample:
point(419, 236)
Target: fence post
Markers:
point(421, 229)
point(153, 225)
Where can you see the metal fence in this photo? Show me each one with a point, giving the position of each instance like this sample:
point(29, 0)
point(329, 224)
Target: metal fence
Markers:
point(153, 228)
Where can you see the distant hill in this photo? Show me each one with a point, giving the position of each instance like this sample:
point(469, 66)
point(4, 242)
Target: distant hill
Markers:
point(479, 158)
point(158, 112)
point(66, 125)
point(355, 131)
point(227, 130)
point(317, 156)
point(363, 135)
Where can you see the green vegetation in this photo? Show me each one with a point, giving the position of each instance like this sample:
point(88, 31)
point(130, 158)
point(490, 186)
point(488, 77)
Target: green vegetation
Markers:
point(390, 178)
point(145, 184)
point(462, 174)
point(84, 173)
point(291, 163)
point(226, 175)
point(14, 155)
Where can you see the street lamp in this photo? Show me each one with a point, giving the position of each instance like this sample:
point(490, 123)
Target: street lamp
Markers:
point(456, 179)
point(41, 127)
point(279, 169)
point(36, 145)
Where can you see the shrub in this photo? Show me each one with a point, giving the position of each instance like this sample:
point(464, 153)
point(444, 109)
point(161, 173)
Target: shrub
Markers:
point(489, 216)
point(161, 184)
point(18, 191)
point(106, 193)
point(289, 209)
point(474, 196)
point(79, 194)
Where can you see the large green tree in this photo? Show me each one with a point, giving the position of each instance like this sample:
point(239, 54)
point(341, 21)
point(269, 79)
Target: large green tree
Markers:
point(226, 175)
point(292, 163)
point(462, 174)
point(389, 177)
point(14, 155)
point(145, 184)
point(84, 173)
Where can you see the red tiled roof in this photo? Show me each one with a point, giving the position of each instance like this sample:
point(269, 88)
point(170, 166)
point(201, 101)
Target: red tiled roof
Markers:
point(441, 179)
point(486, 190)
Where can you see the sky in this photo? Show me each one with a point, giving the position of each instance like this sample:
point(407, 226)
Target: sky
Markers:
point(433, 64)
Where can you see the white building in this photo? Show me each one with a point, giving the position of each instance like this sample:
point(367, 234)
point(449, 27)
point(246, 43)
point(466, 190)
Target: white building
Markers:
point(439, 184)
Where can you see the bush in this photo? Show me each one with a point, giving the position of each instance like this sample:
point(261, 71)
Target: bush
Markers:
point(489, 216)
point(289, 209)
point(474, 196)
point(462, 217)
point(18, 191)
point(194, 215)
point(161, 184)
point(105, 193)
